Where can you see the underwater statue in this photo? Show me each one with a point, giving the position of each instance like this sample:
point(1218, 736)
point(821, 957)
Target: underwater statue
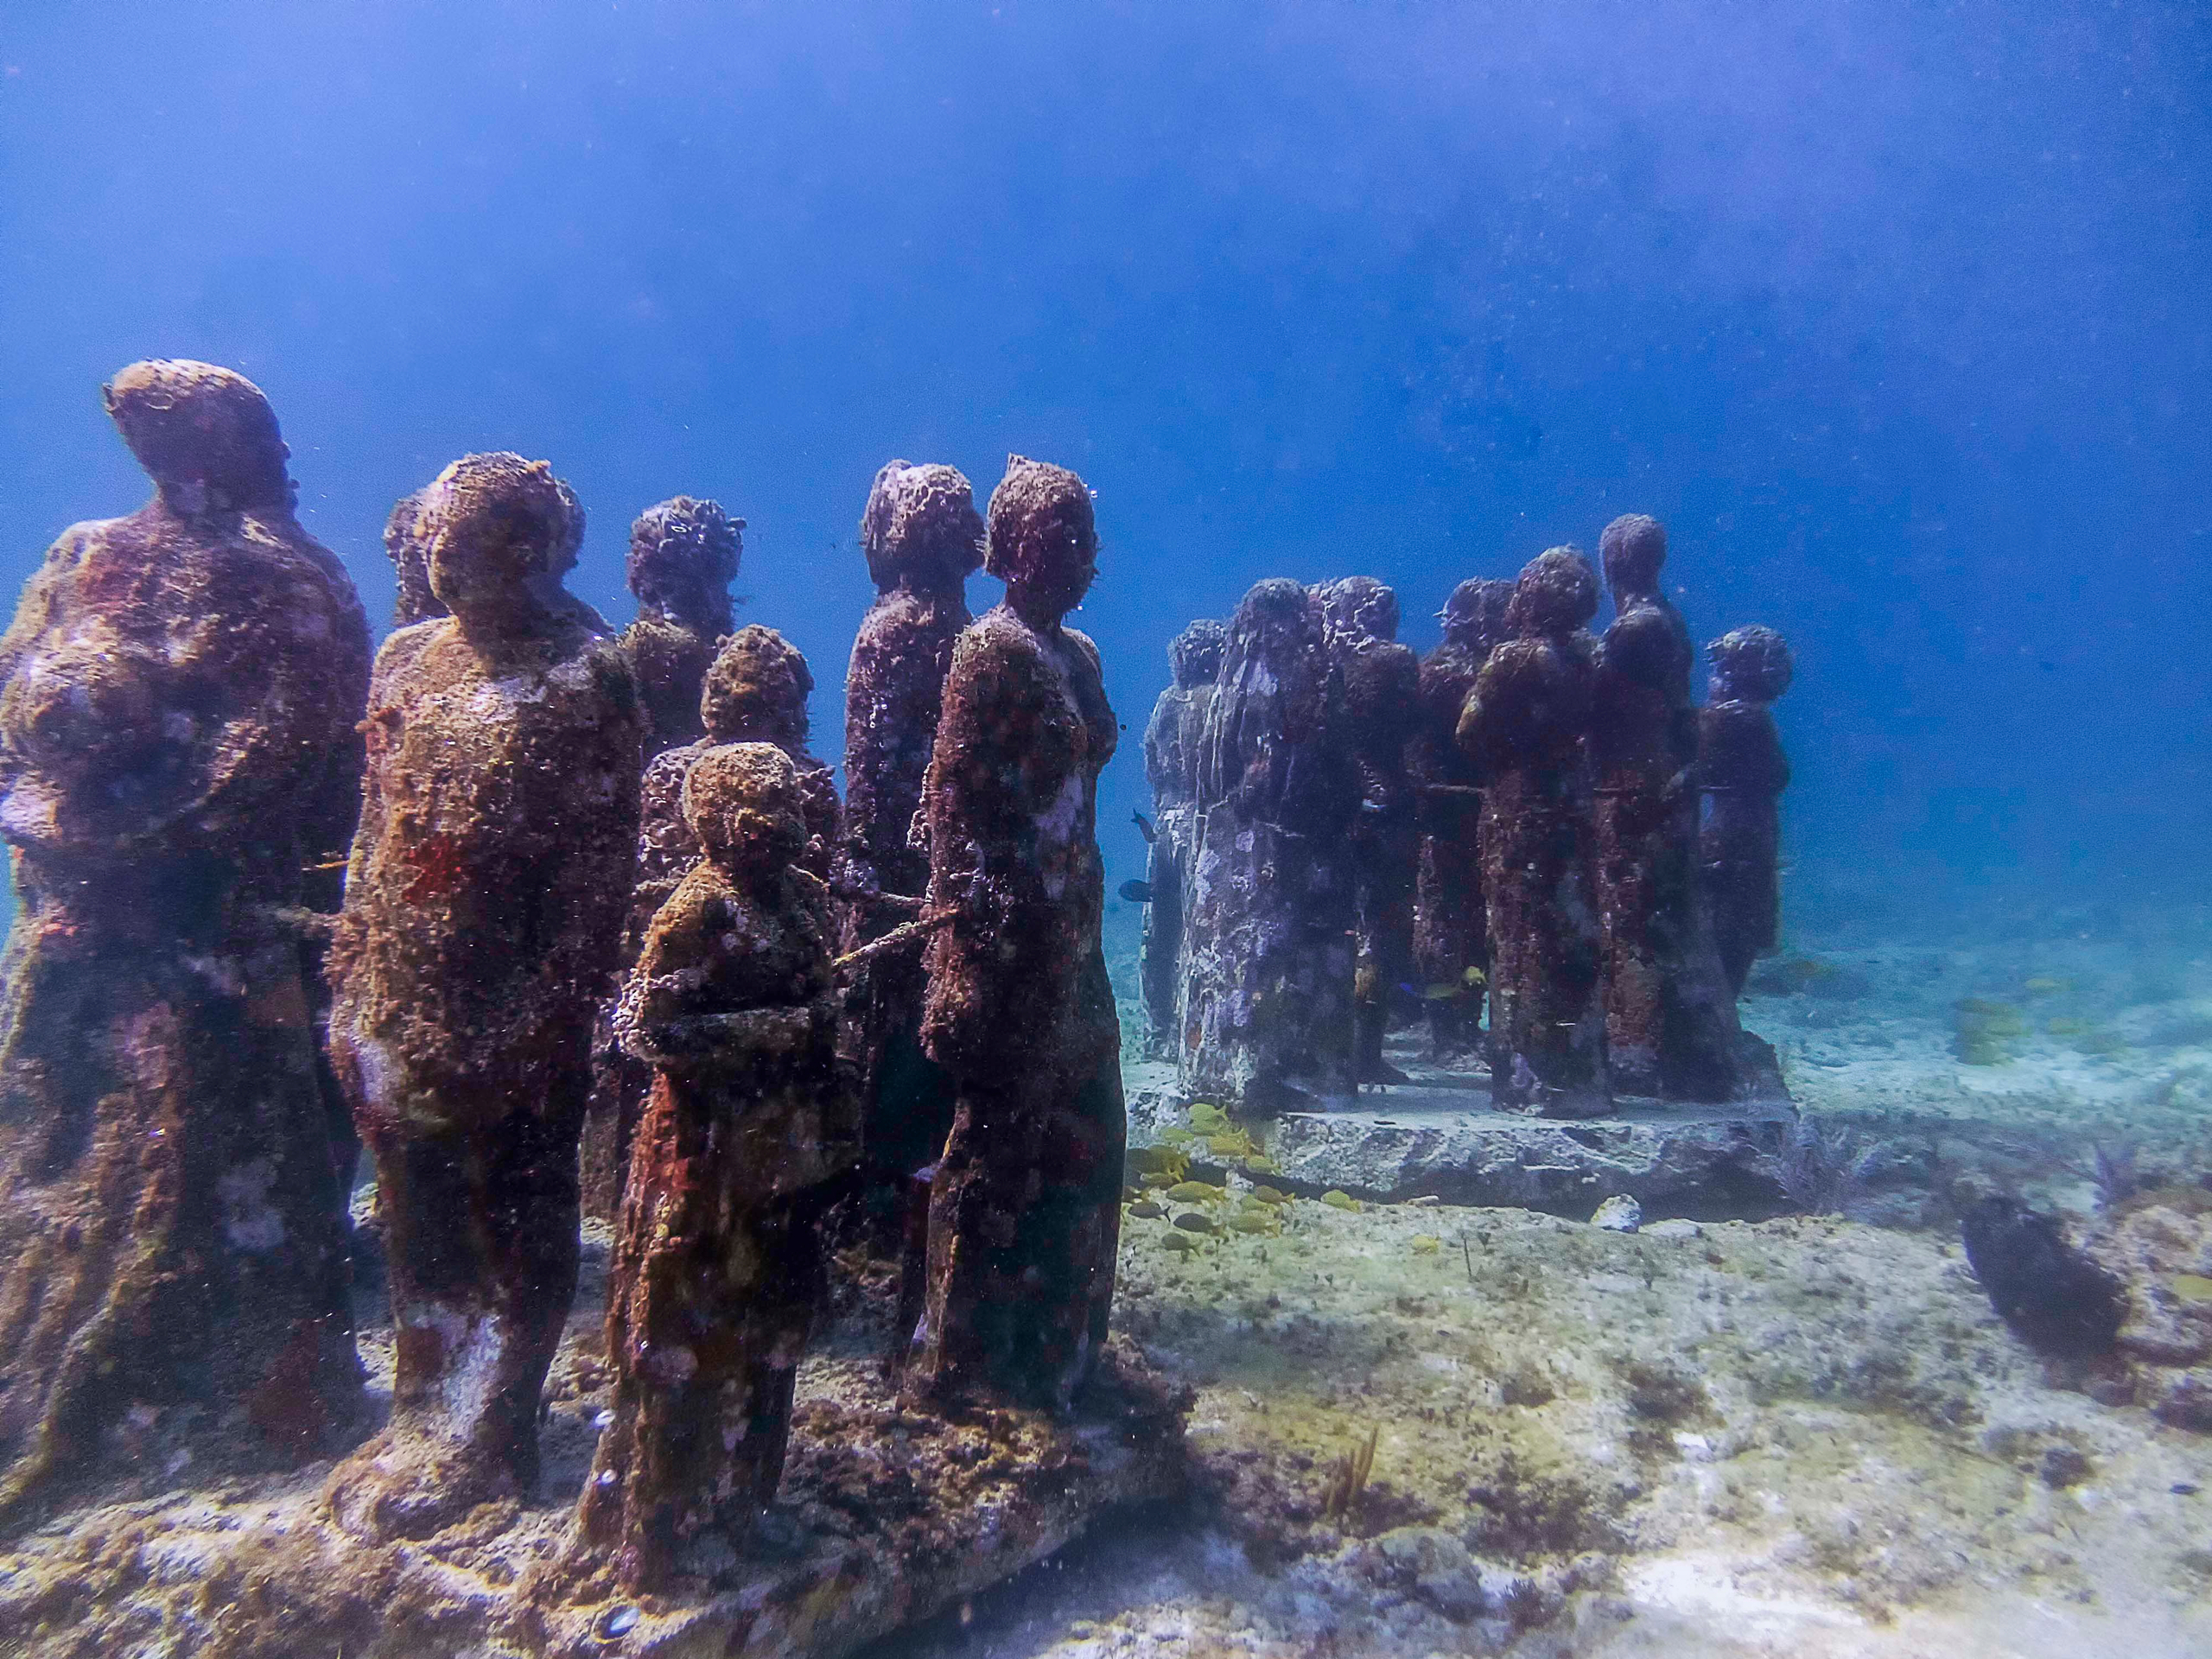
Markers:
point(1268, 979)
point(1382, 681)
point(484, 904)
point(409, 548)
point(1451, 941)
point(717, 1269)
point(922, 537)
point(1024, 1207)
point(179, 695)
point(684, 554)
point(1741, 774)
point(1670, 1022)
point(1523, 729)
point(1171, 765)
point(755, 692)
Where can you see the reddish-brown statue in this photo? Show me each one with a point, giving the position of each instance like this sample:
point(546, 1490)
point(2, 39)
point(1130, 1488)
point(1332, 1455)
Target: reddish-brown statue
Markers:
point(1172, 740)
point(407, 545)
point(923, 538)
point(717, 1262)
point(1451, 941)
point(484, 903)
point(1523, 729)
point(684, 554)
point(1742, 772)
point(756, 692)
point(1024, 1212)
point(178, 699)
point(1670, 1023)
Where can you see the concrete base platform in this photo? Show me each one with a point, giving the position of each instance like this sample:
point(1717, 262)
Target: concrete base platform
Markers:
point(1438, 1135)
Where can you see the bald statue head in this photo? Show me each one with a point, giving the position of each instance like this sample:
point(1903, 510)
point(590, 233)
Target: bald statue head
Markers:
point(756, 690)
point(1041, 538)
point(502, 533)
point(684, 553)
point(744, 802)
point(920, 527)
point(1556, 594)
point(205, 435)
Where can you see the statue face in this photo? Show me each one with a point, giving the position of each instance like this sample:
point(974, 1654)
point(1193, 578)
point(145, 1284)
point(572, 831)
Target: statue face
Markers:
point(743, 801)
point(1043, 537)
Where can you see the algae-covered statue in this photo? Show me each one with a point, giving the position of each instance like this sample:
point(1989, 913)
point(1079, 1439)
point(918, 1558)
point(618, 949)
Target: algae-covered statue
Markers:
point(407, 545)
point(1382, 681)
point(483, 902)
point(1670, 1022)
point(1171, 739)
point(755, 692)
point(1742, 772)
point(1523, 728)
point(1451, 941)
point(717, 1266)
point(1024, 1211)
point(178, 698)
point(684, 554)
point(923, 538)
point(1268, 983)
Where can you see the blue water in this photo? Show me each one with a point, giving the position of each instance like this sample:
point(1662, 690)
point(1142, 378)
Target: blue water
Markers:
point(1899, 314)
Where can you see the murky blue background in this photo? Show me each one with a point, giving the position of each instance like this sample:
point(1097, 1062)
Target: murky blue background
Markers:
point(1900, 315)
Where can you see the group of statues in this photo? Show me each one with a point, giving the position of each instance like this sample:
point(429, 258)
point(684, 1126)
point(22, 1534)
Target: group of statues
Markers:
point(605, 939)
point(1532, 815)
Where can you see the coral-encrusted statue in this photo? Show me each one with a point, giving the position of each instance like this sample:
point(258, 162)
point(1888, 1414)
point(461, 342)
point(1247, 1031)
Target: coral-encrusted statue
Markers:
point(1523, 728)
point(1742, 772)
point(407, 545)
point(1268, 984)
point(1383, 700)
point(717, 1263)
point(1451, 945)
point(1171, 765)
point(177, 745)
point(756, 692)
point(684, 555)
point(923, 538)
point(1024, 1209)
point(484, 903)
point(1670, 1024)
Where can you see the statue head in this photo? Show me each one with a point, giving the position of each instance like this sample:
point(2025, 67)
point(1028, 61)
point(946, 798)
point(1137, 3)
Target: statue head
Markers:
point(1357, 609)
point(1195, 653)
point(407, 542)
point(684, 554)
point(205, 435)
point(1556, 594)
point(744, 802)
point(1750, 665)
point(1042, 538)
point(756, 690)
point(921, 526)
point(1633, 548)
point(502, 533)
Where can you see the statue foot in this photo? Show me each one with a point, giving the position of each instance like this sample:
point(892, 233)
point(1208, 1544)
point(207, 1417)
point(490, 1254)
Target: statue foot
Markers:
point(402, 1485)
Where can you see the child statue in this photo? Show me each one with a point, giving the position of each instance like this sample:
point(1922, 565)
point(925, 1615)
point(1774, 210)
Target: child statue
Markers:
point(1024, 1207)
point(484, 903)
point(684, 554)
point(717, 1266)
point(1742, 772)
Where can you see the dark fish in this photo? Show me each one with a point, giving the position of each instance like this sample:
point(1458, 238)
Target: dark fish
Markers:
point(1144, 828)
point(1137, 893)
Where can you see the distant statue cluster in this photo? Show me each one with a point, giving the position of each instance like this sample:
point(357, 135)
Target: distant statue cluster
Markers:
point(606, 940)
point(1533, 817)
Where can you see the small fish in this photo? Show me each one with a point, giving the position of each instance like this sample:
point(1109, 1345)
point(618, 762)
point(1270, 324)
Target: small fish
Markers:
point(1176, 1135)
point(1144, 828)
point(1265, 1223)
point(1137, 893)
point(1159, 1177)
point(1145, 1210)
point(1236, 1144)
point(2043, 985)
point(1442, 991)
point(1196, 1192)
point(1192, 1222)
point(1426, 1244)
point(1209, 1119)
point(1344, 1201)
point(1181, 1243)
point(1261, 1161)
point(1474, 976)
point(1269, 1195)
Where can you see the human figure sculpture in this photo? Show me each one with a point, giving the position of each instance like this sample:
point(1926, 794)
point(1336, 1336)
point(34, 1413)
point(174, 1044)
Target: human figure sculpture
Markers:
point(717, 1266)
point(684, 554)
point(178, 697)
point(483, 902)
point(1024, 1207)
point(755, 692)
point(1741, 773)
point(409, 548)
point(1670, 1024)
point(1451, 941)
point(1267, 982)
point(1382, 681)
point(922, 537)
point(1523, 729)
point(1171, 764)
